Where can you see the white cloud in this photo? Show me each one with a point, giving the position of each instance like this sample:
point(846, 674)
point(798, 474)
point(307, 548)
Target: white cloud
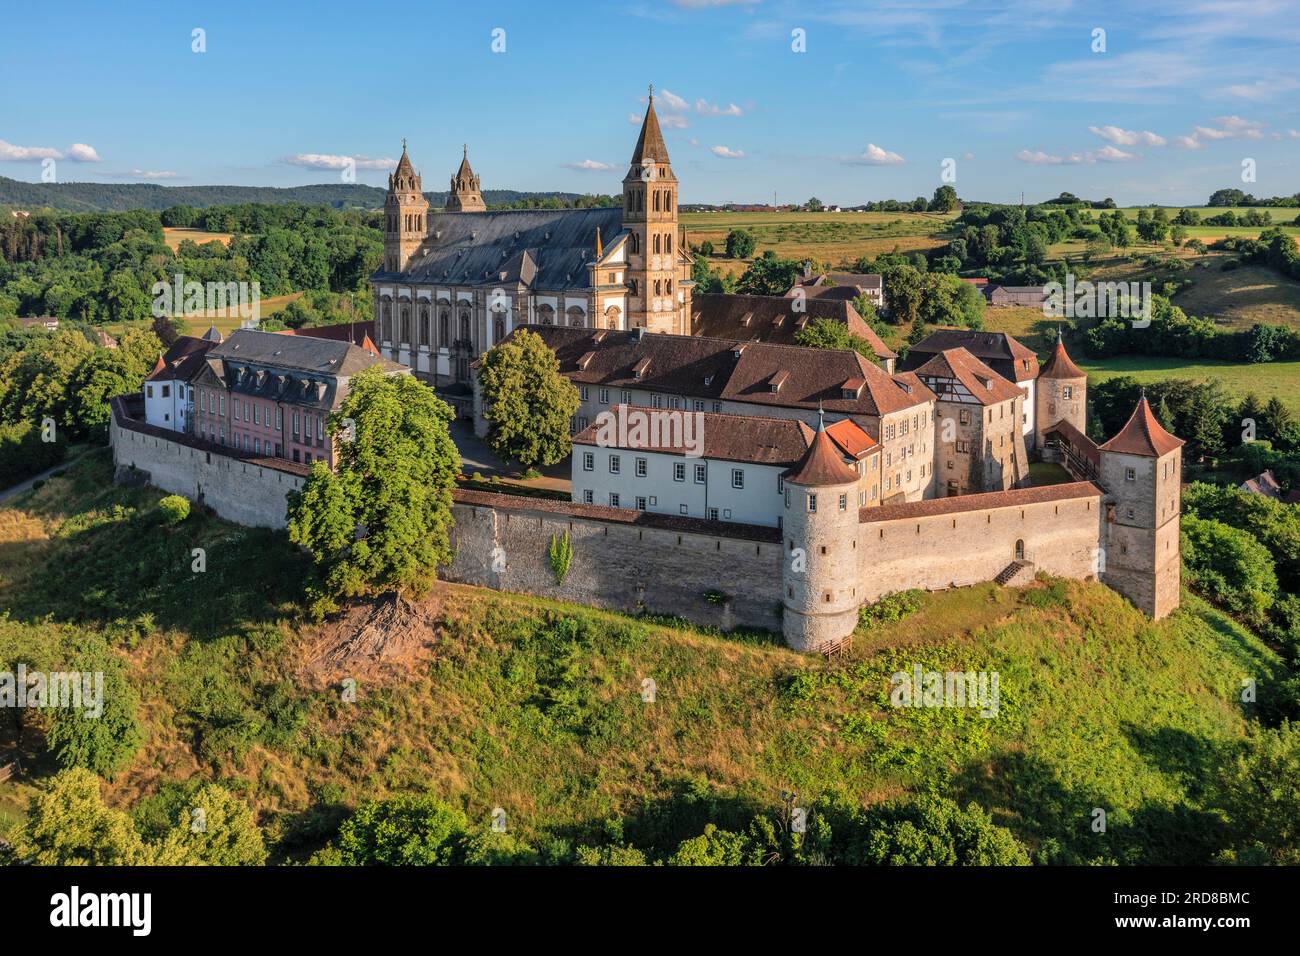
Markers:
point(329, 161)
point(1126, 137)
point(1262, 89)
point(11, 153)
point(590, 165)
point(967, 156)
point(711, 109)
point(672, 100)
point(1293, 133)
point(1107, 154)
point(673, 121)
point(153, 174)
point(726, 153)
point(81, 153)
point(874, 155)
point(1225, 127)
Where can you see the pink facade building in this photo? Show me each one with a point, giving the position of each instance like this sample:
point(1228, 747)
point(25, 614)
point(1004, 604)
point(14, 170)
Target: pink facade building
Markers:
point(271, 395)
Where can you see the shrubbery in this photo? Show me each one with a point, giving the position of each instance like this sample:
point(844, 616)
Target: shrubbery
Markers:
point(174, 508)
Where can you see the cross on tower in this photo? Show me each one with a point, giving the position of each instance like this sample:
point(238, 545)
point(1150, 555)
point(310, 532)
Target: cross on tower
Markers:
point(652, 92)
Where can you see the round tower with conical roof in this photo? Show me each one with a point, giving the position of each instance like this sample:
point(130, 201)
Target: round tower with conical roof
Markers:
point(465, 194)
point(820, 525)
point(1060, 394)
point(406, 214)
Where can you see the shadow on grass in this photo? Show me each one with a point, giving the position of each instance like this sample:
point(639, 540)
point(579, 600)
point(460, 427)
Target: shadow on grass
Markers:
point(114, 563)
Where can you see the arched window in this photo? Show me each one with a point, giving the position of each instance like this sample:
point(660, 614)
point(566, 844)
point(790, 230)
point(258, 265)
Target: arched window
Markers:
point(656, 200)
point(668, 242)
point(656, 243)
point(658, 287)
point(612, 315)
point(386, 321)
point(669, 286)
point(444, 327)
point(545, 314)
point(633, 243)
point(577, 318)
point(632, 286)
point(405, 328)
point(498, 327)
point(464, 326)
point(1020, 549)
point(424, 326)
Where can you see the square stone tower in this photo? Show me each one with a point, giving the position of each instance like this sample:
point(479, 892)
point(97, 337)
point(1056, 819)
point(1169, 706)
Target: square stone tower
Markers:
point(659, 292)
point(406, 215)
point(1141, 470)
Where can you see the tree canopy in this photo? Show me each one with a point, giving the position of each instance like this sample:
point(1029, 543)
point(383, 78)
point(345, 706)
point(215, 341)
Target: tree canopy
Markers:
point(528, 404)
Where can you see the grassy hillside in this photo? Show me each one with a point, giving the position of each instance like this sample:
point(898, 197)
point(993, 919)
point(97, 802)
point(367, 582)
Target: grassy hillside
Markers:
point(536, 707)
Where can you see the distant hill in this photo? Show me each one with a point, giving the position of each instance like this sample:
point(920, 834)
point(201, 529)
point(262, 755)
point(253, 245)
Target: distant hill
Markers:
point(119, 197)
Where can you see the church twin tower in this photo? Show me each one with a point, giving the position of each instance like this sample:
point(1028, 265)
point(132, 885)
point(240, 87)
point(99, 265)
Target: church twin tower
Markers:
point(655, 265)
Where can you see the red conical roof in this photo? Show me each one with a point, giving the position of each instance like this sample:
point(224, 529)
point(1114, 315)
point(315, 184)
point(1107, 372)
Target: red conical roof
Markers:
point(822, 464)
point(1143, 435)
point(1060, 364)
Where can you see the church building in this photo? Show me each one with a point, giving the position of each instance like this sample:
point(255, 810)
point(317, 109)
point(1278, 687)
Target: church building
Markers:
point(455, 283)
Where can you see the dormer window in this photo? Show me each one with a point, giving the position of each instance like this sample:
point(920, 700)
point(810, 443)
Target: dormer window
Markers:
point(640, 368)
point(774, 384)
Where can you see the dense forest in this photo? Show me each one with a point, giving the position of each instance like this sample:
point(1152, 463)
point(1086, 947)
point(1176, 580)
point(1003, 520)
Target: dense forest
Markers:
point(123, 197)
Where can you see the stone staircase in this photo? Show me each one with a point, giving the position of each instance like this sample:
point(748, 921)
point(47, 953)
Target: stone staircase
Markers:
point(1016, 574)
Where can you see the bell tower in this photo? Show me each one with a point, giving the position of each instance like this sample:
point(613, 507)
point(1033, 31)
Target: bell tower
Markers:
point(406, 214)
point(658, 299)
point(465, 194)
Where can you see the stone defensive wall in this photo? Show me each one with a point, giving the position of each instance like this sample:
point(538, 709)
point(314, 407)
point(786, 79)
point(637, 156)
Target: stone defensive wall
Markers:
point(953, 542)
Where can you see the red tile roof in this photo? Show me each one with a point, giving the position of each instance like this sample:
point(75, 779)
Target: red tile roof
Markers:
point(1143, 435)
point(1060, 365)
point(771, 318)
point(182, 361)
point(1084, 445)
point(822, 465)
point(746, 438)
point(985, 385)
point(852, 440)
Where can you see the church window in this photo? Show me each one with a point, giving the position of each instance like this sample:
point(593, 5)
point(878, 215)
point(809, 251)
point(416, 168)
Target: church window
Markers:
point(405, 329)
point(656, 200)
point(668, 243)
point(498, 327)
point(444, 322)
point(633, 243)
point(545, 314)
point(658, 287)
point(669, 286)
point(656, 243)
point(464, 326)
point(632, 286)
point(424, 325)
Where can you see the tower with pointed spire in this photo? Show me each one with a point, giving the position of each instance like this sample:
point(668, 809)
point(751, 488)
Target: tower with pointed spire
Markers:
point(465, 194)
point(406, 213)
point(820, 525)
point(1141, 470)
point(659, 291)
point(1060, 394)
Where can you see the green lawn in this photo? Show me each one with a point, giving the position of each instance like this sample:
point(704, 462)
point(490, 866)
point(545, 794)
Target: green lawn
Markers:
point(1265, 380)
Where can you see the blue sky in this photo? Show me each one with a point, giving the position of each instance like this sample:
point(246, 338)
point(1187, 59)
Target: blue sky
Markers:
point(882, 94)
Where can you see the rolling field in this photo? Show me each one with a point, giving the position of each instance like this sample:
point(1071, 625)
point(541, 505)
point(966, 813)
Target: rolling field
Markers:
point(836, 239)
point(1265, 380)
point(1279, 214)
point(175, 235)
point(225, 323)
